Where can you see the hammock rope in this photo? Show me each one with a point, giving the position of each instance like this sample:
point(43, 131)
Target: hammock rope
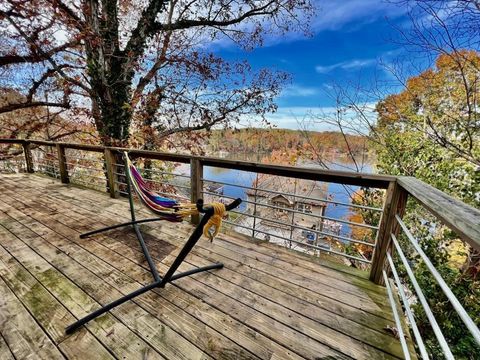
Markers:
point(170, 209)
point(219, 211)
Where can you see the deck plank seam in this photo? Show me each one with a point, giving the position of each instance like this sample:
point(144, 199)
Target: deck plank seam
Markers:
point(69, 279)
point(119, 290)
point(386, 318)
point(8, 347)
point(211, 286)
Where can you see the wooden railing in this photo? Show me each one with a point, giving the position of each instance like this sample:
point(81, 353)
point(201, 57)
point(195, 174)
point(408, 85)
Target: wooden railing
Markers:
point(464, 220)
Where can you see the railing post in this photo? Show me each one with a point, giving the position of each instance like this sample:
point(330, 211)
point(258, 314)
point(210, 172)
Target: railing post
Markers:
point(196, 184)
point(62, 163)
point(28, 156)
point(395, 202)
point(111, 169)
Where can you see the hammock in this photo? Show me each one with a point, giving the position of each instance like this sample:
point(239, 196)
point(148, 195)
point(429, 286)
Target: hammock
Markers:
point(166, 209)
point(170, 209)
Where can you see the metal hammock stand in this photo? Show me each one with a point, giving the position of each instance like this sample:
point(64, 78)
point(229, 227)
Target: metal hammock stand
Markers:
point(158, 281)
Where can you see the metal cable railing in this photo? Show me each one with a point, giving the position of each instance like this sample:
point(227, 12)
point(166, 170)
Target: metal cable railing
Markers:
point(344, 238)
point(85, 168)
point(45, 160)
point(351, 223)
point(295, 195)
point(272, 227)
point(457, 306)
point(11, 158)
point(311, 246)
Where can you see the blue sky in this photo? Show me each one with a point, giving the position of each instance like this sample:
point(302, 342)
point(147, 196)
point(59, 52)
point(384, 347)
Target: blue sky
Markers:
point(351, 39)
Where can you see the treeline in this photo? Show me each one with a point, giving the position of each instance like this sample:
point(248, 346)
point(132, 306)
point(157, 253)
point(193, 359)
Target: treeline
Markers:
point(252, 140)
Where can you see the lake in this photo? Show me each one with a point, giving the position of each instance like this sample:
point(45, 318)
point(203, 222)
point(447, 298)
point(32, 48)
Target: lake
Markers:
point(336, 192)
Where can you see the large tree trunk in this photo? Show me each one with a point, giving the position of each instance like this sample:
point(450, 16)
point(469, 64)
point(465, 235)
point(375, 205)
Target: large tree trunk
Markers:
point(115, 114)
point(109, 74)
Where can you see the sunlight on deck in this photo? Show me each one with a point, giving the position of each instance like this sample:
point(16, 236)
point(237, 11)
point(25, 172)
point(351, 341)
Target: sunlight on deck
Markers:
point(268, 302)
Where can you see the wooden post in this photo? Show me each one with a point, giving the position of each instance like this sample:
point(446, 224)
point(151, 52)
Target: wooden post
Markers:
point(28, 156)
point(395, 202)
point(111, 169)
point(196, 184)
point(62, 164)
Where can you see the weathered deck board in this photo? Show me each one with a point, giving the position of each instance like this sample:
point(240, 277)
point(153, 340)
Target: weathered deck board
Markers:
point(24, 336)
point(274, 262)
point(266, 303)
point(109, 329)
point(334, 339)
point(273, 329)
point(5, 353)
point(47, 311)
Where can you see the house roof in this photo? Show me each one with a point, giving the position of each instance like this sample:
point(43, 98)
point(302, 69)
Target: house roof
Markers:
point(313, 190)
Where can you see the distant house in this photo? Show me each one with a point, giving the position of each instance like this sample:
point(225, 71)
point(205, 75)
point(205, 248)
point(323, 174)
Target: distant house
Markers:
point(285, 194)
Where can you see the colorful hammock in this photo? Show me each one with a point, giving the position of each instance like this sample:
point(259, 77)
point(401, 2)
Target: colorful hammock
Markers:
point(170, 209)
point(166, 209)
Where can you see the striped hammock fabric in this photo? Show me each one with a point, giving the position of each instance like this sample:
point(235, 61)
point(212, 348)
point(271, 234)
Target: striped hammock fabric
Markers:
point(167, 209)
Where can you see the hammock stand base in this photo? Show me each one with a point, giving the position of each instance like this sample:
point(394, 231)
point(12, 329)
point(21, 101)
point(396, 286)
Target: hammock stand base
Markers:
point(159, 281)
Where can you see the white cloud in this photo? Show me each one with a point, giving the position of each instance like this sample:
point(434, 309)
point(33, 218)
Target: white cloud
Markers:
point(345, 65)
point(319, 118)
point(297, 117)
point(334, 15)
point(299, 91)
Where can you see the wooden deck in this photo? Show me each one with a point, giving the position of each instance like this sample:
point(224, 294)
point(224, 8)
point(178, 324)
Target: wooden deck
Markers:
point(267, 302)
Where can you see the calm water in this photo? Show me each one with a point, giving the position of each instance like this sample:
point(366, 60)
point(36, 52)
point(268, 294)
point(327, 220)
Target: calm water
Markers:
point(336, 192)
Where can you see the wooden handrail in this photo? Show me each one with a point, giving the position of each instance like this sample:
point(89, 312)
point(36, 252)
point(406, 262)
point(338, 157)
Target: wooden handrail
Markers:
point(460, 217)
point(334, 176)
point(463, 219)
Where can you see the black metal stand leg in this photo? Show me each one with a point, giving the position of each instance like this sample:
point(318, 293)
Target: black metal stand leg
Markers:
point(71, 328)
point(151, 264)
point(104, 309)
point(170, 274)
point(196, 271)
point(118, 225)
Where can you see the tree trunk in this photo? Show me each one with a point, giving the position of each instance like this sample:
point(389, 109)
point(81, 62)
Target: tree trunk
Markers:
point(115, 114)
